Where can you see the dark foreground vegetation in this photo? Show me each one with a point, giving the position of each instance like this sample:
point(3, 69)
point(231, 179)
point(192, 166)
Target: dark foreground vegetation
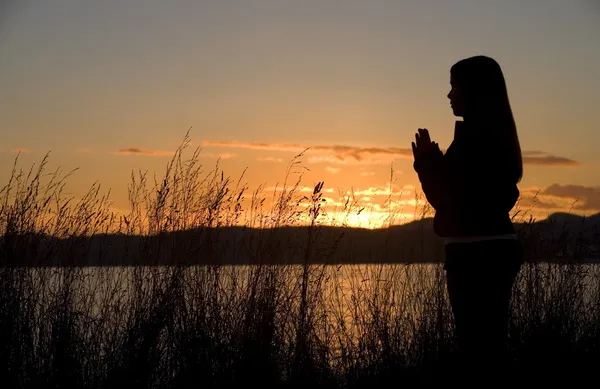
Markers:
point(315, 308)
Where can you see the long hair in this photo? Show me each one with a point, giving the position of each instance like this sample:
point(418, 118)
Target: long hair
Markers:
point(485, 95)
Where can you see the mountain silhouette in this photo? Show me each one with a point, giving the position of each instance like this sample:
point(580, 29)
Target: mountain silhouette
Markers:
point(561, 235)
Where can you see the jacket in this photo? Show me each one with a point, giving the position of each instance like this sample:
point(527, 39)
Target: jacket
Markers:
point(471, 192)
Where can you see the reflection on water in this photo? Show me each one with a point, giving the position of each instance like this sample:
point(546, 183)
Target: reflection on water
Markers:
point(343, 298)
point(349, 314)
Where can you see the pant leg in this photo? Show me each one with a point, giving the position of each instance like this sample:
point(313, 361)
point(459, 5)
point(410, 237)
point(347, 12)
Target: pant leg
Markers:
point(479, 280)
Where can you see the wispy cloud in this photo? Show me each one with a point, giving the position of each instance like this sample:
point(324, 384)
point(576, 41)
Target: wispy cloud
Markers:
point(270, 159)
point(340, 152)
point(584, 197)
point(542, 158)
point(561, 198)
point(534, 197)
point(164, 153)
point(383, 190)
point(304, 189)
point(218, 155)
point(23, 150)
point(146, 152)
point(83, 150)
point(255, 145)
point(332, 170)
point(367, 174)
point(332, 159)
point(370, 192)
point(344, 154)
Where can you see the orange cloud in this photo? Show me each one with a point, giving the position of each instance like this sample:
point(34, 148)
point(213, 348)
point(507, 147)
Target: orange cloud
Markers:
point(341, 161)
point(344, 154)
point(542, 158)
point(340, 152)
point(533, 197)
point(383, 190)
point(584, 197)
point(332, 170)
point(304, 189)
point(561, 198)
point(255, 145)
point(83, 150)
point(147, 152)
point(221, 155)
point(269, 159)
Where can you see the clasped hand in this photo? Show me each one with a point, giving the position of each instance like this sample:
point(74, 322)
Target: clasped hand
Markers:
point(423, 143)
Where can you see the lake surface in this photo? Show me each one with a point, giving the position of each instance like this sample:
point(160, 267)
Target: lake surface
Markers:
point(343, 307)
point(340, 291)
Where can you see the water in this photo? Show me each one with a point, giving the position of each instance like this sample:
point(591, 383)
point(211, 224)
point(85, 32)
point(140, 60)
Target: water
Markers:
point(348, 296)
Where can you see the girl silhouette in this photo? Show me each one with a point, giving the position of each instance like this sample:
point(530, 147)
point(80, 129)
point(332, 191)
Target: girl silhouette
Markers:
point(473, 187)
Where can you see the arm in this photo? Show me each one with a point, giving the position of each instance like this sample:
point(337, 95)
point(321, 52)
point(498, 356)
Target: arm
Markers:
point(431, 168)
point(432, 173)
point(475, 180)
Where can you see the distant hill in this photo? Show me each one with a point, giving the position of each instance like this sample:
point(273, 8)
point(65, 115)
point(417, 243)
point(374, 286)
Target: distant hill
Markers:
point(563, 235)
point(560, 235)
point(573, 222)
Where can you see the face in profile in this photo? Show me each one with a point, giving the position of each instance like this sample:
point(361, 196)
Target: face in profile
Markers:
point(456, 99)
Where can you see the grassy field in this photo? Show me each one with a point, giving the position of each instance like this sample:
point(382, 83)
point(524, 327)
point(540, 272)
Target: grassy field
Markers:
point(301, 325)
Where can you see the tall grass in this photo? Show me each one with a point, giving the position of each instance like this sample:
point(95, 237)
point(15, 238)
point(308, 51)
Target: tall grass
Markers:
point(273, 325)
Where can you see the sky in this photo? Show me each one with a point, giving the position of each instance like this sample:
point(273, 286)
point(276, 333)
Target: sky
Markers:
point(112, 87)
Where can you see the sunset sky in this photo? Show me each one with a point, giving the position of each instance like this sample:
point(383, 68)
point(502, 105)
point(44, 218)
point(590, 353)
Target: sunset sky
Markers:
point(113, 86)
